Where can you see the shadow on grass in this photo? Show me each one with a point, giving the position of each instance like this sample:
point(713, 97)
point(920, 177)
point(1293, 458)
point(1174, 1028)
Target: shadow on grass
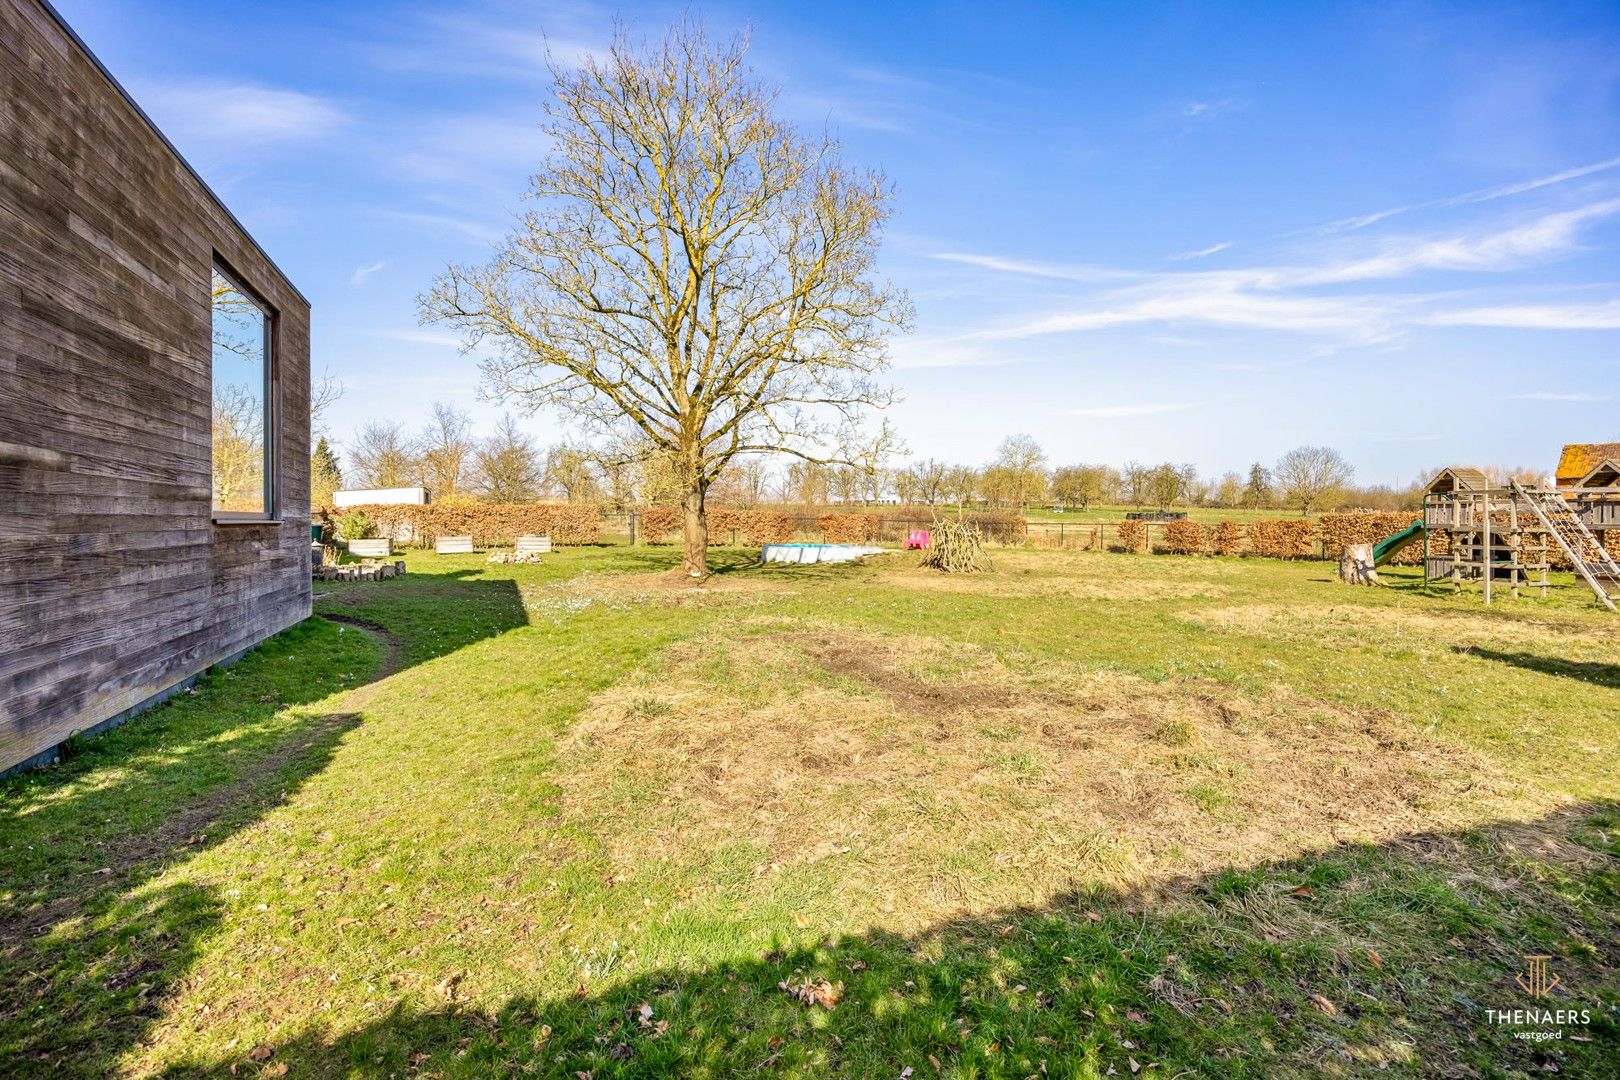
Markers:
point(90, 941)
point(1588, 671)
point(1348, 962)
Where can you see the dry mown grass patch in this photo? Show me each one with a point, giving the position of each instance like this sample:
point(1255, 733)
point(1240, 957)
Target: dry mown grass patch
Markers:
point(928, 778)
point(1405, 625)
point(1074, 576)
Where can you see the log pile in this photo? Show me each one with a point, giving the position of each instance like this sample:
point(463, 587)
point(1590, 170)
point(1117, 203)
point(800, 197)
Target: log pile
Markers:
point(515, 557)
point(365, 570)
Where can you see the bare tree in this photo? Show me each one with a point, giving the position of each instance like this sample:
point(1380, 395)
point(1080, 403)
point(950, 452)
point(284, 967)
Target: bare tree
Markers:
point(1080, 485)
point(324, 392)
point(1163, 486)
point(1229, 490)
point(805, 483)
point(928, 480)
point(697, 270)
point(446, 447)
point(572, 473)
point(1020, 470)
point(961, 484)
point(1310, 476)
point(1133, 478)
point(506, 466)
point(743, 482)
point(383, 456)
point(844, 482)
point(238, 440)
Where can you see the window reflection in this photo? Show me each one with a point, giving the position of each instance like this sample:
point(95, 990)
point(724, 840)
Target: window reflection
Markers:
point(241, 337)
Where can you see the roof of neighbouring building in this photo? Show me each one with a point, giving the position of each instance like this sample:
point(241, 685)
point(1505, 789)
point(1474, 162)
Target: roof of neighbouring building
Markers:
point(1457, 478)
point(1578, 459)
point(1605, 474)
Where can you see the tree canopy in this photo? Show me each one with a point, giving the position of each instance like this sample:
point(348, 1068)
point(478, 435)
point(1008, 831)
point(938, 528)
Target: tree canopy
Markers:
point(697, 276)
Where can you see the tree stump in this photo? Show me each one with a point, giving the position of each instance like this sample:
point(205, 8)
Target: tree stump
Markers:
point(1356, 565)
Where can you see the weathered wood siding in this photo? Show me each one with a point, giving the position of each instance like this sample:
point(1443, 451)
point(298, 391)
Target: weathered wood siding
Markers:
point(115, 583)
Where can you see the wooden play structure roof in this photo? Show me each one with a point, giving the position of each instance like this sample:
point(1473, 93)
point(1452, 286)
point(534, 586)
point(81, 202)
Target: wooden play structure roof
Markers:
point(1580, 459)
point(1457, 478)
point(1605, 474)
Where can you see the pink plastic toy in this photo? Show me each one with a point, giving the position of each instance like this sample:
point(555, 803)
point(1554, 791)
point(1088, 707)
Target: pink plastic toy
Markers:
point(918, 540)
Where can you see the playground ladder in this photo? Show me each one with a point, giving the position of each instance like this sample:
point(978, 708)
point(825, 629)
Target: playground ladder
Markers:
point(1585, 551)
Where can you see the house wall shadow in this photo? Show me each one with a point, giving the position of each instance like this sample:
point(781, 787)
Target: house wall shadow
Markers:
point(1182, 974)
point(89, 947)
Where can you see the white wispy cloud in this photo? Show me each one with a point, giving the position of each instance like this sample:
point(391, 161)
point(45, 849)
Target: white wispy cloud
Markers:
point(1202, 107)
point(1187, 256)
point(501, 41)
point(1200, 299)
point(480, 231)
point(1061, 271)
point(1113, 412)
point(362, 273)
point(1489, 194)
point(1556, 395)
point(1549, 234)
point(1301, 298)
point(945, 352)
point(236, 114)
point(1604, 315)
point(423, 336)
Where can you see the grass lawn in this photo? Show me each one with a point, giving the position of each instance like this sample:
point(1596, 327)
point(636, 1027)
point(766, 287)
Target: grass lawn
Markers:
point(1087, 815)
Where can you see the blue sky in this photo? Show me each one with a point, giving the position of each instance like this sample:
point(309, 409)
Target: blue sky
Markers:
point(1195, 232)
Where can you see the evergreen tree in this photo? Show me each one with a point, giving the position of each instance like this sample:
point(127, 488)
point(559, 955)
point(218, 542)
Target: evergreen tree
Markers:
point(1258, 493)
point(325, 476)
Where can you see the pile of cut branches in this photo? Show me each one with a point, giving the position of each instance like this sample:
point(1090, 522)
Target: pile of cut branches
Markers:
point(956, 547)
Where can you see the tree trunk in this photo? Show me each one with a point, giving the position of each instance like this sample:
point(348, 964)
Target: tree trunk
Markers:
point(1356, 565)
point(695, 533)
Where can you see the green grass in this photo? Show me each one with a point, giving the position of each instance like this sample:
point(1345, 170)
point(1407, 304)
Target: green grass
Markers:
point(547, 843)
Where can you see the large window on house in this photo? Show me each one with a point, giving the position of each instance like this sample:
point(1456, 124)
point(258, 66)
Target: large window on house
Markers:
point(243, 404)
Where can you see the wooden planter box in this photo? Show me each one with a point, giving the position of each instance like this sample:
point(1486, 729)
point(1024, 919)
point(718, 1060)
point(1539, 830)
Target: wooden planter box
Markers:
point(453, 545)
point(371, 549)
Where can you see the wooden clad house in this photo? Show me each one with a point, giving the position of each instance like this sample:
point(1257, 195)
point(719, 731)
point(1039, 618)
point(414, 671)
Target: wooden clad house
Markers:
point(154, 407)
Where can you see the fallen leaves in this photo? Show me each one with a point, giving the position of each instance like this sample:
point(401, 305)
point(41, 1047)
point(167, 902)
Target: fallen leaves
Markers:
point(1327, 1007)
point(813, 992)
point(450, 985)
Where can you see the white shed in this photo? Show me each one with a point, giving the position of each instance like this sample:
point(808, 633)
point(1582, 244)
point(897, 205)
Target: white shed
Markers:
point(404, 496)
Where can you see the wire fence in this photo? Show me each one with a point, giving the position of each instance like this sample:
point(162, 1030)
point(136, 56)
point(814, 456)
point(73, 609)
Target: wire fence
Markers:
point(620, 528)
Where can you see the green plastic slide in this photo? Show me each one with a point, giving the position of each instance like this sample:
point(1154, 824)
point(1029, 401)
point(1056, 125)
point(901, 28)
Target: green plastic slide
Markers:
point(1385, 549)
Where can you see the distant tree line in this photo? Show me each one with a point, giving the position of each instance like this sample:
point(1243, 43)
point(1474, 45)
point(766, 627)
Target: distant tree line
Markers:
point(448, 458)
